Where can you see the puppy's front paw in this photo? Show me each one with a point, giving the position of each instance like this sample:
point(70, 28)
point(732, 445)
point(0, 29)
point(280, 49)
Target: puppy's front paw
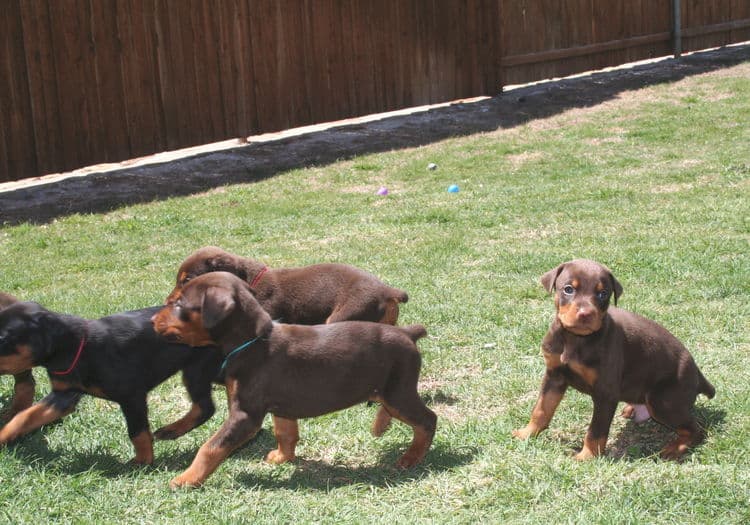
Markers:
point(184, 481)
point(584, 455)
point(674, 450)
point(525, 432)
point(145, 459)
point(408, 460)
point(277, 457)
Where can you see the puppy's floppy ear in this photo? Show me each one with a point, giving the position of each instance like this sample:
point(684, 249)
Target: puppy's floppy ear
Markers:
point(549, 278)
point(616, 287)
point(218, 303)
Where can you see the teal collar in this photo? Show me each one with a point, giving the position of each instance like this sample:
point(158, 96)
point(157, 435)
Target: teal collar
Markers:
point(236, 350)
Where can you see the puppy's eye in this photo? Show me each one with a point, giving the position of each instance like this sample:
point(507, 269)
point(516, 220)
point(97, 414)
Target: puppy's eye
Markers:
point(603, 295)
point(568, 290)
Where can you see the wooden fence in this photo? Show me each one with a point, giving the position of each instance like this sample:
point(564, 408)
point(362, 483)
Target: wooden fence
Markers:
point(89, 81)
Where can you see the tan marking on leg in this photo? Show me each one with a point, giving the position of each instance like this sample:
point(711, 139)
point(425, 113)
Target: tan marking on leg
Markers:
point(28, 420)
point(552, 360)
point(541, 415)
point(144, 448)
point(183, 425)
point(230, 384)
point(421, 440)
point(418, 449)
point(23, 397)
point(382, 422)
point(206, 461)
point(591, 448)
point(677, 448)
point(287, 436)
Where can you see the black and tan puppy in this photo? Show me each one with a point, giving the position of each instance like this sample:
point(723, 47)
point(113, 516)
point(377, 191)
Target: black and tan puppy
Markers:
point(613, 355)
point(118, 357)
point(316, 294)
point(24, 387)
point(294, 371)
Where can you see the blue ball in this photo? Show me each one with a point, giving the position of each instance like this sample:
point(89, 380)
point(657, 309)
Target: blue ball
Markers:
point(453, 188)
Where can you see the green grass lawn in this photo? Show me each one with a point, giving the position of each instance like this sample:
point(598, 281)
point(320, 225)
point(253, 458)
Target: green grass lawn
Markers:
point(654, 184)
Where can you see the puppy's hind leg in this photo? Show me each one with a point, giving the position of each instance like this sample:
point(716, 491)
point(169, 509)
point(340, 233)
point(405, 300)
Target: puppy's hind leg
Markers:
point(382, 422)
point(286, 432)
point(406, 406)
point(672, 407)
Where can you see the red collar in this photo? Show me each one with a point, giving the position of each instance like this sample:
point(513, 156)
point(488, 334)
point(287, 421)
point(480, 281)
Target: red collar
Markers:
point(258, 277)
point(75, 359)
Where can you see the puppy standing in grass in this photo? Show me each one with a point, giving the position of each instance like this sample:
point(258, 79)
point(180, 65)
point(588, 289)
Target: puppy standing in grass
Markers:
point(315, 294)
point(613, 356)
point(294, 371)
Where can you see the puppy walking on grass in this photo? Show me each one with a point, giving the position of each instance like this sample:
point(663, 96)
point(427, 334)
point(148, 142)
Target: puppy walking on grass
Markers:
point(294, 371)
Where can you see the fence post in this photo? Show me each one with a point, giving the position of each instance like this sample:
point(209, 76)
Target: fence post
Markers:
point(676, 29)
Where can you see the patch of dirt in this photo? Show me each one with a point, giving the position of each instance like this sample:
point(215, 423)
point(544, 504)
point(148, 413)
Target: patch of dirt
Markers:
point(44, 199)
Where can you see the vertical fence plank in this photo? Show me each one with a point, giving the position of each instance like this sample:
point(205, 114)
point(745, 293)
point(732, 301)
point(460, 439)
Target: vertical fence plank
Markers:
point(108, 82)
point(17, 140)
point(45, 111)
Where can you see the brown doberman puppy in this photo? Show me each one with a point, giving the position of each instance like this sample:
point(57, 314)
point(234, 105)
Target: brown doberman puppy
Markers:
point(24, 388)
point(316, 294)
point(294, 371)
point(613, 355)
point(119, 357)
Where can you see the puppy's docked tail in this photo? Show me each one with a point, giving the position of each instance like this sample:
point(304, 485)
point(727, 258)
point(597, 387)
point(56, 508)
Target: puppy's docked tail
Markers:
point(704, 387)
point(389, 306)
point(397, 295)
point(414, 331)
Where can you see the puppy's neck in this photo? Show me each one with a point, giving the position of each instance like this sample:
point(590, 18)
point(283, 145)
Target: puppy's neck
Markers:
point(254, 271)
point(64, 340)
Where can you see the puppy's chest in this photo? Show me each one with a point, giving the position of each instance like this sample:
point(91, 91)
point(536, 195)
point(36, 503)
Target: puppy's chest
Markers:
point(580, 364)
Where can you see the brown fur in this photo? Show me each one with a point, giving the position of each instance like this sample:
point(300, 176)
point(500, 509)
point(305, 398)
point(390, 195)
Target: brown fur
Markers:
point(613, 355)
point(316, 294)
point(295, 371)
point(25, 386)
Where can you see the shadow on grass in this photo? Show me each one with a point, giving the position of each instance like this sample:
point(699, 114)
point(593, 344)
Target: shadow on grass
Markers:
point(33, 449)
point(645, 440)
point(320, 475)
point(101, 192)
point(309, 474)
